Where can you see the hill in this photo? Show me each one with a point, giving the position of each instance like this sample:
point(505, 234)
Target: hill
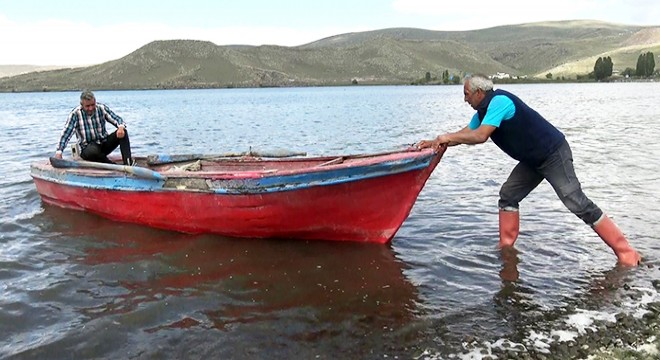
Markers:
point(387, 56)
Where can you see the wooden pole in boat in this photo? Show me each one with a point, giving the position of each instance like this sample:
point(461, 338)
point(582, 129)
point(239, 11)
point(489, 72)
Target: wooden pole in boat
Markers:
point(161, 159)
point(133, 170)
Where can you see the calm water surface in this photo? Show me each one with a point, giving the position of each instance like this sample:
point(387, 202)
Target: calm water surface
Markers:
point(77, 286)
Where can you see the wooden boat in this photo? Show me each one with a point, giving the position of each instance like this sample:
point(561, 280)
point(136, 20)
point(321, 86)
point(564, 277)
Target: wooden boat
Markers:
point(361, 198)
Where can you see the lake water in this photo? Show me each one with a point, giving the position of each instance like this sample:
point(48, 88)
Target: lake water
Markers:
point(74, 285)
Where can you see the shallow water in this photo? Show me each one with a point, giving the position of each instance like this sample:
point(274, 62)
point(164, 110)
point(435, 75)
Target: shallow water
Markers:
point(75, 285)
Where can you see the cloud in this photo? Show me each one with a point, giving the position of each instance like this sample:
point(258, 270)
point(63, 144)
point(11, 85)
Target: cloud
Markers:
point(56, 42)
point(480, 14)
point(485, 13)
point(76, 42)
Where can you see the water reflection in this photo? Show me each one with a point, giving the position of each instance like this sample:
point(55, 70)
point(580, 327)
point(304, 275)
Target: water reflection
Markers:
point(79, 284)
point(522, 308)
point(515, 291)
point(233, 282)
point(510, 261)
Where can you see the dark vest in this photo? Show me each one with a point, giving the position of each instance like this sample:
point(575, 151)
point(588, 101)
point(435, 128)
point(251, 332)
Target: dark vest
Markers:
point(527, 136)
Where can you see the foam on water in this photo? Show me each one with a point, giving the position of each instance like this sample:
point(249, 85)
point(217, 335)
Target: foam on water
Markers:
point(578, 323)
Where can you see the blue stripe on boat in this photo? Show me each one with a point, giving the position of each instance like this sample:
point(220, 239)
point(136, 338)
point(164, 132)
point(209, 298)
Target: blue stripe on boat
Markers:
point(266, 184)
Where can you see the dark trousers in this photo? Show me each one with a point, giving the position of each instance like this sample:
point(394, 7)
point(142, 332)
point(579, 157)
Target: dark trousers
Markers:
point(558, 170)
point(99, 153)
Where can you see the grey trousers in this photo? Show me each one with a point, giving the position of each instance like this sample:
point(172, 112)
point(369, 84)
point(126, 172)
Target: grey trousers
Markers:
point(558, 170)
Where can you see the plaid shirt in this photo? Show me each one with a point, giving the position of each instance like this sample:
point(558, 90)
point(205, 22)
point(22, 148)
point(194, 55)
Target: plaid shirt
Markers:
point(88, 128)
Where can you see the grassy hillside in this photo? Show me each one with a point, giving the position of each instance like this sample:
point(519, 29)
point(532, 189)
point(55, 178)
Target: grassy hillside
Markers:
point(625, 56)
point(388, 56)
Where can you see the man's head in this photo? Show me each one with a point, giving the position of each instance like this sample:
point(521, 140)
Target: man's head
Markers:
point(475, 88)
point(88, 102)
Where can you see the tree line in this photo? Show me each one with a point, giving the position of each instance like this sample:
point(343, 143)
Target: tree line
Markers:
point(602, 70)
point(446, 79)
point(645, 67)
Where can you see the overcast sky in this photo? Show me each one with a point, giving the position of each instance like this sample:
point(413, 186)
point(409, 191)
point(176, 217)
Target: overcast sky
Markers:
point(72, 32)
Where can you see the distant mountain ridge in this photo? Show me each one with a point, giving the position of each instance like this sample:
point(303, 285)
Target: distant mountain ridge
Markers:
point(387, 56)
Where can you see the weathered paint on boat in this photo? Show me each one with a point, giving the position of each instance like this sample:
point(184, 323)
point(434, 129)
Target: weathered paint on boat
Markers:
point(362, 198)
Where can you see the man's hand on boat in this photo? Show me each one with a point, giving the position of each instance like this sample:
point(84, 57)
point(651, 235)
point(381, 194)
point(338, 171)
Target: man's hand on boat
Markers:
point(436, 144)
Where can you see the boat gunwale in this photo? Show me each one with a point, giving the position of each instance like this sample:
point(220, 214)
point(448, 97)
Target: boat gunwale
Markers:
point(374, 159)
point(258, 173)
point(246, 182)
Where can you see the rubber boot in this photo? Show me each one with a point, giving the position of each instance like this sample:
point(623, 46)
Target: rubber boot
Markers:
point(614, 238)
point(509, 227)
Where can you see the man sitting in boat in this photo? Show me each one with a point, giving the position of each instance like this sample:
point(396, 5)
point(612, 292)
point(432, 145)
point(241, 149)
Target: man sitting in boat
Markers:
point(88, 120)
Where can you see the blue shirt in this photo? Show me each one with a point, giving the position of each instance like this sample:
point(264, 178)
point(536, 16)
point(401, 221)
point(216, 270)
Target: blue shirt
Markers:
point(501, 108)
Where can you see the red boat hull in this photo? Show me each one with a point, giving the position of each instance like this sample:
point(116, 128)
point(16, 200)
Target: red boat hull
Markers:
point(369, 210)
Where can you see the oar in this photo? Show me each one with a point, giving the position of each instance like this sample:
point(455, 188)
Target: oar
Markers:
point(160, 159)
point(134, 170)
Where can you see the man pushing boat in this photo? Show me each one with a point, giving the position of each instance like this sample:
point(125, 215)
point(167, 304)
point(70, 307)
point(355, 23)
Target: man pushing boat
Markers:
point(542, 152)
